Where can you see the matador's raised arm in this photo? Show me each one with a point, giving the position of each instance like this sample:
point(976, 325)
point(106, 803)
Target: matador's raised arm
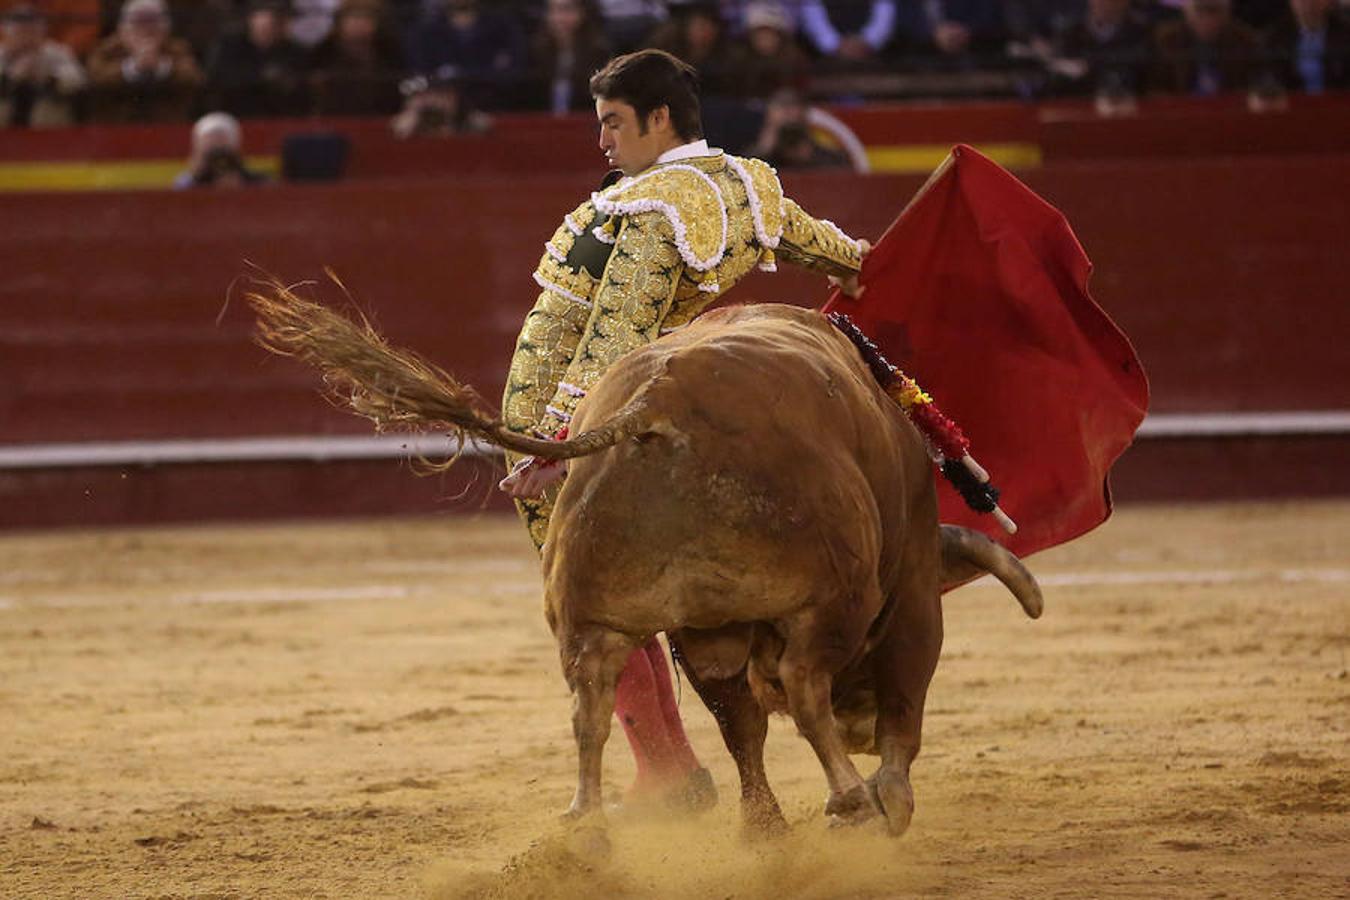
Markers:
point(817, 244)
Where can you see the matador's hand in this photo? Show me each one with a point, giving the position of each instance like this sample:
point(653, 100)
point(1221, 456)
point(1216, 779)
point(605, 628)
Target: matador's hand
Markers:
point(849, 286)
point(531, 476)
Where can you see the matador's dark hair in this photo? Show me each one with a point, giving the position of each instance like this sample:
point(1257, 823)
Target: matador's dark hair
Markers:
point(648, 80)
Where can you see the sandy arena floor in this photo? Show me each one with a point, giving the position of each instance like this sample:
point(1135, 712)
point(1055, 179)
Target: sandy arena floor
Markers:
point(375, 709)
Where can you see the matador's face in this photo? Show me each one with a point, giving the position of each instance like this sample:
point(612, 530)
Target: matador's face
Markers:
point(628, 143)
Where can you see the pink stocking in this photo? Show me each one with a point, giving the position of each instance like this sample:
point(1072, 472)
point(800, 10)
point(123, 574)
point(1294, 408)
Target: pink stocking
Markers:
point(670, 712)
point(640, 702)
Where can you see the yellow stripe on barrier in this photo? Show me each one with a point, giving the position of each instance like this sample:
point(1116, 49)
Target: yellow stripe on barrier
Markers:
point(126, 175)
point(122, 175)
point(920, 159)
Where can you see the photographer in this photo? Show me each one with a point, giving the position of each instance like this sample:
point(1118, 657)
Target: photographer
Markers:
point(216, 160)
point(785, 140)
point(435, 106)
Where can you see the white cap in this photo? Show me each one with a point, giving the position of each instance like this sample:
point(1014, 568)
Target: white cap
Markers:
point(767, 14)
point(131, 7)
point(217, 123)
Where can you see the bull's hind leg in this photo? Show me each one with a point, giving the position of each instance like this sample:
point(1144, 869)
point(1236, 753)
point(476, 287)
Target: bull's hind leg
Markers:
point(813, 650)
point(744, 723)
point(592, 658)
point(904, 664)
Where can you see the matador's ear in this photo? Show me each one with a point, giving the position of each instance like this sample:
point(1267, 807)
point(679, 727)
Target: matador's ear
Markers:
point(611, 177)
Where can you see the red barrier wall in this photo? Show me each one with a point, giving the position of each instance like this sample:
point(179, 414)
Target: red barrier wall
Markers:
point(1163, 128)
point(1228, 274)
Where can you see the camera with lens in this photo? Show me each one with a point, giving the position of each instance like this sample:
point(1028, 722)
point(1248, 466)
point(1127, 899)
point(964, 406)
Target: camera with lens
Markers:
point(220, 162)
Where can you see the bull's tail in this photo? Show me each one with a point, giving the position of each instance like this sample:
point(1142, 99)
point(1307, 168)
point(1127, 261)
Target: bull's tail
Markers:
point(968, 554)
point(399, 390)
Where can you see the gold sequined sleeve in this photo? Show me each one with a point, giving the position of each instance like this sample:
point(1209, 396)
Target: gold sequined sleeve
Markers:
point(630, 302)
point(817, 244)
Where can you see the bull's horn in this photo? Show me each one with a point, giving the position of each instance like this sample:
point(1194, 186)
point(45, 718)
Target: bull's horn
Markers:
point(968, 554)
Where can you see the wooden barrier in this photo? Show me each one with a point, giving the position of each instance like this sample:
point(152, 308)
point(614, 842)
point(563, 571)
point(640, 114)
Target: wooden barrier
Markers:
point(1165, 128)
point(120, 317)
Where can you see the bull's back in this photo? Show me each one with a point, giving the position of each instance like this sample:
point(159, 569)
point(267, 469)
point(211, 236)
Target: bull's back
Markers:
point(773, 467)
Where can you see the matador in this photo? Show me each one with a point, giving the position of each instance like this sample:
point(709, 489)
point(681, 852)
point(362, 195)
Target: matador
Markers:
point(639, 259)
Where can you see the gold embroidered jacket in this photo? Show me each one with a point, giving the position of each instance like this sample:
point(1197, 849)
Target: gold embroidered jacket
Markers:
point(644, 257)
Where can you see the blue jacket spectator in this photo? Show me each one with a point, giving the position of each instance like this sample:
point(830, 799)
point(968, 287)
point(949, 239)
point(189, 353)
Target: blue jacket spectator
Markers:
point(952, 33)
point(568, 48)
point(849, 30)
point(1311, 48)
point(629, 22)
point(485, 51)
point(259, 70)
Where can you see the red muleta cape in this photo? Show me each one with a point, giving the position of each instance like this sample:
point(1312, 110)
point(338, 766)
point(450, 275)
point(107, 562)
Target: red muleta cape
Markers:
point(978, 291)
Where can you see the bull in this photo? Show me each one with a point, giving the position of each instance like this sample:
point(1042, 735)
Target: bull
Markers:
point(746, 487)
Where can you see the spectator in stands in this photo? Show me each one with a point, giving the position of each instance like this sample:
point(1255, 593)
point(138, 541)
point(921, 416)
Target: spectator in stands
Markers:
point(199, 22)
point(356, 70)
point(311, 21)
point(785, 140)
point(436, 107)
point(217, 159)
point(1260, 14)
point(142, 73)
point(952, 34)
point(1105, 53)
point(485, 50)
point(1033, 27)
point(768, 60)
point(39, 78)
point(1028, 20)
point(629, 22)
point(569, 47)
point(1205, 52)
point(696, 34)
point(1311, 48)
point(258, 71)
point(849, 31)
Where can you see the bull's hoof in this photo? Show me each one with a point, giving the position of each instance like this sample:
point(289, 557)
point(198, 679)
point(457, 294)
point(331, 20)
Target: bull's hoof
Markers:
point(698, 793)
point(587, 841)
point(852, 807)
point(579, 813)
point(762, 821)
point(585, 836)
point(692, 793)
point(892, 792)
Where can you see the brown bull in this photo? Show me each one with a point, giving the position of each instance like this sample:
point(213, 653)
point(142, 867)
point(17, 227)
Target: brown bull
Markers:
point(760, 500)
point(775, 513)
